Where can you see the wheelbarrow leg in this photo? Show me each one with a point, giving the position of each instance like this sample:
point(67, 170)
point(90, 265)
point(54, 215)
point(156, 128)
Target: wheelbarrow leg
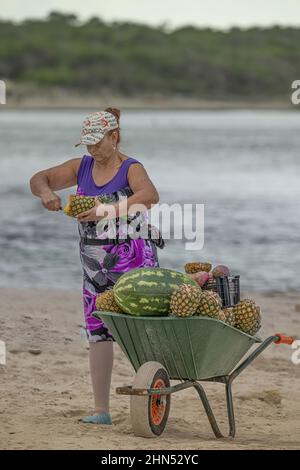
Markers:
point(229, 378)
point(208, 409)
point(230, 410)
point(209, 412)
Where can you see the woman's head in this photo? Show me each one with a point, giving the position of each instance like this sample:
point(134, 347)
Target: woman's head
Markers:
point(101, 132)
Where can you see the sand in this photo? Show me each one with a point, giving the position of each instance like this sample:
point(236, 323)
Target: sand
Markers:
point(45, 384)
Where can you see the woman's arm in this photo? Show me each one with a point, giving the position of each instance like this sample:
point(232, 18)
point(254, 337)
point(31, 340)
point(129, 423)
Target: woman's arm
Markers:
point(45, 182)
point(144, 191)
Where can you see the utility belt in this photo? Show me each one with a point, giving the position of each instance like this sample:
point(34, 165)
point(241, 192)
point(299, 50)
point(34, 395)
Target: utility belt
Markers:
point(158, 240)
point(104, 241)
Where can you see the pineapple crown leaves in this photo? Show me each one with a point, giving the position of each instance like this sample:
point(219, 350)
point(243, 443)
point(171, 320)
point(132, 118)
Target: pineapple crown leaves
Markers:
point(105, 199)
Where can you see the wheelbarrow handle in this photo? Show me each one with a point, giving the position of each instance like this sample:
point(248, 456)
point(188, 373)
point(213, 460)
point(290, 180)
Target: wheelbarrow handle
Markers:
point(283, 339)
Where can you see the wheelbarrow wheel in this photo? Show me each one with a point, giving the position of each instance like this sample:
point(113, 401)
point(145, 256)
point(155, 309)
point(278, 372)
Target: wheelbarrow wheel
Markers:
point(149, 413)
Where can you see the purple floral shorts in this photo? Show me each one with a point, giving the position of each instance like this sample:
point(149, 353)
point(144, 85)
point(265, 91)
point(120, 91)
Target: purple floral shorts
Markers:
point(102, 266)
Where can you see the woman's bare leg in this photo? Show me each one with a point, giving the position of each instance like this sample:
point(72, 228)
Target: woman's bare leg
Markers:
point(101, 356)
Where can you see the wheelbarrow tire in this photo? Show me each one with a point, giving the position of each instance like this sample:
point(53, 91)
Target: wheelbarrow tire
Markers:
point(149, 414)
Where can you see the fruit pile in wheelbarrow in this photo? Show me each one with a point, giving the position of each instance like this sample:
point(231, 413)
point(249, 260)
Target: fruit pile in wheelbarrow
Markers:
point(189, 327)
point(200, 292)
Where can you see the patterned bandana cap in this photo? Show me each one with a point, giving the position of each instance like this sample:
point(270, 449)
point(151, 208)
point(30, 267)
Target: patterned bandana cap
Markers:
point(95, 127)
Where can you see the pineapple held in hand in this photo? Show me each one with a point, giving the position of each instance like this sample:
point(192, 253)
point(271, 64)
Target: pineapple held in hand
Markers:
point(106, 302)
point(210, 304)
point(185, 300)
point(247, 316)
point(77, 204)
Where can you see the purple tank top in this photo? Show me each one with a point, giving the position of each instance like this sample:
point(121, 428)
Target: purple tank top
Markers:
point(85, 181)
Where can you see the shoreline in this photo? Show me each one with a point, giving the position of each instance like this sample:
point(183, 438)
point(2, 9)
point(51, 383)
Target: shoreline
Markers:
point(140, 105)
point(47, 367)
point(62, 99)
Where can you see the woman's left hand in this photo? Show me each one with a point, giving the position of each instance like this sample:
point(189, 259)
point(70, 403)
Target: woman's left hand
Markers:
point(91, 214)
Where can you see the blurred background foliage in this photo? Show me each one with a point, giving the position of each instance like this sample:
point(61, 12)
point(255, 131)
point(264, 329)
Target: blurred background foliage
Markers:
point(129, 58)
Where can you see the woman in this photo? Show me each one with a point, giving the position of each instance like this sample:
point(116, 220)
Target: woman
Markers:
point(121, 178)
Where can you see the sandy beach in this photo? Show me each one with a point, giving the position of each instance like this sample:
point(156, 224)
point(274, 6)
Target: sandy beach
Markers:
point(45, 384)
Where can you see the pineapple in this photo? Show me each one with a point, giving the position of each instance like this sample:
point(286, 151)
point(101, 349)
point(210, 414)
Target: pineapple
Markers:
point(227, 315)
point(185, 300)
point(106, 302)
point(247, 316)
point(191, 268)
point(77, 204)
point(210, 304)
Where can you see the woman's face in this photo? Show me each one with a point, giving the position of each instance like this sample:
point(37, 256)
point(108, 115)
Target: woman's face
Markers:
point(105, 148)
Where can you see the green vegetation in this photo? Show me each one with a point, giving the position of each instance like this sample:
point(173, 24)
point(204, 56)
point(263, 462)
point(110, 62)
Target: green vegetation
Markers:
point(132, 59)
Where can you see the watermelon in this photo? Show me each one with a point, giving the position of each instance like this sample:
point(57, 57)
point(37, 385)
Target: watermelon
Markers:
point(147, 291)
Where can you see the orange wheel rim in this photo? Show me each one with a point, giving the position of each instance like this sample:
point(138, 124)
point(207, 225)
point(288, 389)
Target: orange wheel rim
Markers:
point(158, 403)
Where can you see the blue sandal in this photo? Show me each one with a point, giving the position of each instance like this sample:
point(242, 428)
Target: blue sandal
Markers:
point(101, 418)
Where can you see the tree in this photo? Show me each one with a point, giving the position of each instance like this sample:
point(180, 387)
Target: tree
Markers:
point(67, 18)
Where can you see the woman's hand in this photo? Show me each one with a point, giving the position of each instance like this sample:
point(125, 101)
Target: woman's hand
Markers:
point(51, 201)
point(95, 214)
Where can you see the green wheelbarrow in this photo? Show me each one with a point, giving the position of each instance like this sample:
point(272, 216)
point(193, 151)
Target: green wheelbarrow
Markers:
point(189, 350)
